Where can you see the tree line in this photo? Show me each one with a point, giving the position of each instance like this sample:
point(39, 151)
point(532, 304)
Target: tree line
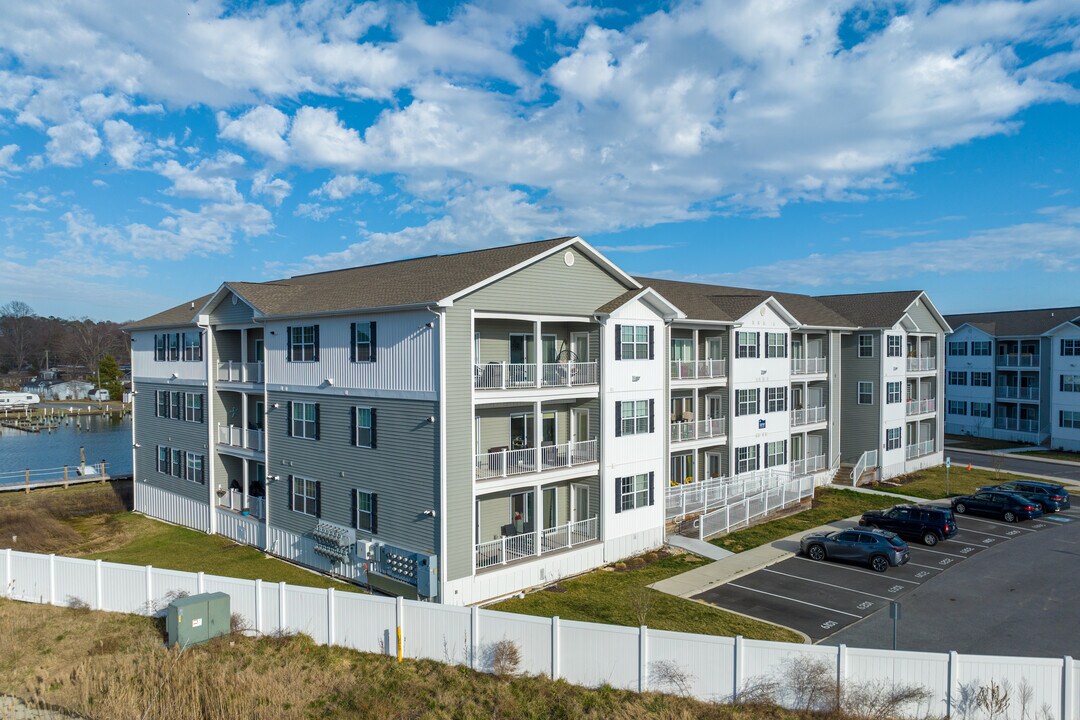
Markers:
point(30, 342)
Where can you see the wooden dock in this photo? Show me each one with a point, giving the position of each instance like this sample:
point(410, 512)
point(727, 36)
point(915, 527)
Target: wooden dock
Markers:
point(27, 480)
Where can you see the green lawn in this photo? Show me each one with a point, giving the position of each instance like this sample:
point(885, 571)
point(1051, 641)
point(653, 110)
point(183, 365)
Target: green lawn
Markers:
point(830, 505)
point(622, 598)
point(930, 483)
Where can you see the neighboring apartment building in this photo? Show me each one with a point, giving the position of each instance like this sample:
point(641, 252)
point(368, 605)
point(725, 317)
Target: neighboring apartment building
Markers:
point(1015, 375)
point(892, 380)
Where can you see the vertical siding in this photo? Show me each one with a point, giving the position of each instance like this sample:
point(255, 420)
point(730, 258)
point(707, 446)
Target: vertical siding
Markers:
point(143, 365)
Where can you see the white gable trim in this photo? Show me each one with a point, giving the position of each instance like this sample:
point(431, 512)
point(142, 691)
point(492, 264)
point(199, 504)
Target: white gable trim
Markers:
point(219, 295)
point(942, 322)
point(778, 308)
point(657, 302)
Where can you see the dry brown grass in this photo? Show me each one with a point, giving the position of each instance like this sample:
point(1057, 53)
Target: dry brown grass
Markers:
point(104, 665)
point(70, 521)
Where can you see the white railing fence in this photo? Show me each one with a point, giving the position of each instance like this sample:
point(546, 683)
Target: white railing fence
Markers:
point(1009, 423)
point(1015, 391)
point(502, 463)
point(710, 667)
point(515, 547)
point(808, 465)
point(234, 371)
point(921, 364)
point(694, 369)
point(1015, 360)
point(713, 493)
point(921, 407)
point(234, 500)
point(699, 429)
point(234, 436)
point(920, 449)
point(866, 461)
point(809, 366)
point(505, 376)
point(810, 415)
point(740, 514)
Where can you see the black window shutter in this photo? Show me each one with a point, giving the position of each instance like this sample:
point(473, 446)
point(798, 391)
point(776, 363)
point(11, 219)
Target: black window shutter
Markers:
point(288, 418)
point(618, 495)
point(618, 418)
point(318, 499)
point(652, 476)
point(289, 489)
point(652, 415)
point(203, 478)
point(373, 415)
point(355, 508)
point(202, 407)
point(352, 343)
point(288, 344)
point(652, 352)
point(352, 414)
point(374, 513)
point(318, 417)
point(316, 342)
point(618, 342)
point(371, 338)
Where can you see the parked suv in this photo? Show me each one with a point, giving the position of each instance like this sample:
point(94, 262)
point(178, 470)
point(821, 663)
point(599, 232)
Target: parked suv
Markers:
point(928, 523)
point(1008, 506)
point(1050, 496)
point(877, 548)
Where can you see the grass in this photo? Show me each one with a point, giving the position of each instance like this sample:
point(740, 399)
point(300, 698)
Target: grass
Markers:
point(830, 505)
point(94, 522)
point(930, 483)
point(1052, 454)
point(108, 665)
point(623, 598)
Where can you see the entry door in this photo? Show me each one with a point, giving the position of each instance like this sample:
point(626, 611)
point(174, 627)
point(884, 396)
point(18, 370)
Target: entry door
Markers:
point(579, 428)
point(714, 406)
point(579, 345)
point(521, 511)
point(682, 349)
point(260, 351)
point(714, 348)
point(682, 469)
point(796, 447)
point(797, 399)
point(796, 349)
point(713, 465)
point(260, 413)
point(520, 345)
point(549, 429)
point(580, 499)
point(521, 430)
point(550, 349)
point(680, 406)
point(551, 508)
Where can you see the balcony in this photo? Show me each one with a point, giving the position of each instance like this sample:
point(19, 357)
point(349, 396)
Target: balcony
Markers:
point(1016, 392)
point(919, 449)
point(240, 372)
point(512, 376)
point(1018, 424)
point(506, 462)
point(808, 465)
point(698, 369)
point(922, 364)
point(234, 500)
point(1018, 360)
point(238, 437)
point(921, 407)
point(701, 429)
point(809, 366)
point(809, 416)
point(525, 546)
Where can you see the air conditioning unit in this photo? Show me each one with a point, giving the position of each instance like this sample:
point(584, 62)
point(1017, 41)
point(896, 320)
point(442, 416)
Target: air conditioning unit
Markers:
point(367, 549)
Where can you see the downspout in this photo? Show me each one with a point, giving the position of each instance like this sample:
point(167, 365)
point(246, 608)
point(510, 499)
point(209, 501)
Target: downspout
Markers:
point(266, 439)
point(441, 399)
point(211, 390)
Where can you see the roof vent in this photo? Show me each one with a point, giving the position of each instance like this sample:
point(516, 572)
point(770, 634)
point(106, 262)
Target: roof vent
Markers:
point(192, 304)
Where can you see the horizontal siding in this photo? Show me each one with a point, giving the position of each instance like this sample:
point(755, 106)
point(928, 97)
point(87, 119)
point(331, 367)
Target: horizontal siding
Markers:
point(862, 423)
point(151, 431)
point(228, 313)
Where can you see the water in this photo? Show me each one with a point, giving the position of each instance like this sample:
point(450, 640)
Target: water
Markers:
point(105, 438)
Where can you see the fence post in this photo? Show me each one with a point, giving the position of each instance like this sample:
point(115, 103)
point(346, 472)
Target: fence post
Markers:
point(281, 606)
point(841, 673)
point(258, 607)
point(9, 581)
point(400, 613)
point(330, 616)
point(99, 588)
point(474, 637)
point(149, 589)
point(736, 668)
point(1068, 689)
point(555, 669)
point(953, 693)
point(200, 582)
point(52, 579)
point(643, 659)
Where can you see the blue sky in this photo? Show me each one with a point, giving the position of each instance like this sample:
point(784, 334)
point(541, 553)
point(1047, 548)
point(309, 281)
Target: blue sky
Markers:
point(815, 147)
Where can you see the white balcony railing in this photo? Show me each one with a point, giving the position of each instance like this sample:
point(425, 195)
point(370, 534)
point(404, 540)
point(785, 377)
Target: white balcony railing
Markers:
point(808, 465)
point(569, 374)
point(809, 366)
point(921, 407)
point(1020, 425)
point(238, 437)
point(240, 372)
point(708, 428)
point(517, 547)
point(698, 369)
point(503, 463)
point(919, 449)
point(1018, 360)
point(809, 416)
point(681, 498)
point(508, 376)
point(1020, 393)
point(921, 364)
point(253, 440)
point(234, 500)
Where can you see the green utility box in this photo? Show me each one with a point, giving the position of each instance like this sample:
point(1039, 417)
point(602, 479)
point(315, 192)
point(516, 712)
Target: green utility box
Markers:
point(197, 618)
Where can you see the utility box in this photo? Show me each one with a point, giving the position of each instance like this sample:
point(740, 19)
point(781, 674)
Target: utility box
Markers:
point(197, 618)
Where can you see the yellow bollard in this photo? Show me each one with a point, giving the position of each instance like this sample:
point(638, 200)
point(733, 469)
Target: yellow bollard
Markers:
point(400, 645)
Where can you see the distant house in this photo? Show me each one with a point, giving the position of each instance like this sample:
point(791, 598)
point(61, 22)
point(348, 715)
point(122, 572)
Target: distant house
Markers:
point(59, 389)
point(99, 394)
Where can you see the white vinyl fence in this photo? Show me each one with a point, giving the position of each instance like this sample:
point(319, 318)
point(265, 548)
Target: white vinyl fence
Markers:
point(705, 666)
point(739, 514)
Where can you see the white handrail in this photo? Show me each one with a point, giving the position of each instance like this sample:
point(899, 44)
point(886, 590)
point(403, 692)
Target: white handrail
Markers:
point(868, 459)
point(790, 492)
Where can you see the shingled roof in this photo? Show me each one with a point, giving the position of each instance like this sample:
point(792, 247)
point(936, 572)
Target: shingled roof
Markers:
point(1012, 323)
point(417, 281)
point(872, 310)
point(183, 314)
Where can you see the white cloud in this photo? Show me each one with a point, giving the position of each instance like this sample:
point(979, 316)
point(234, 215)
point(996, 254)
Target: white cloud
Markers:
point(99, 183)
point(319, 139)
point(261, 129)
point(210, 179)
point(277, 189)
point(7, 158)
point(315, 211)
point(344, 186)
point(71, 143)
point(126, 145)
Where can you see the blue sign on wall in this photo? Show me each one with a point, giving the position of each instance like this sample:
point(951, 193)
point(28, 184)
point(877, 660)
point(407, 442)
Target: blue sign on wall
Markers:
point(761, 424)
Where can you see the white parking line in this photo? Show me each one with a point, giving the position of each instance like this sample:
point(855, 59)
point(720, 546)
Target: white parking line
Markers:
point(928, 567)
point(996, 522)
point(801, 602)
point(838, 587)
point(981, 532)
point(938, 552)
point(880, 576)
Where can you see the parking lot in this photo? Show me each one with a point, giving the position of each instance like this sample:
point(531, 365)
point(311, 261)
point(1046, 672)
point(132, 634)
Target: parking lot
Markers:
point(823, 598)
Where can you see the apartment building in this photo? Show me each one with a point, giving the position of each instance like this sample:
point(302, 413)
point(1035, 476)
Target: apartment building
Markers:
point(1014, 375)
point(892, 382)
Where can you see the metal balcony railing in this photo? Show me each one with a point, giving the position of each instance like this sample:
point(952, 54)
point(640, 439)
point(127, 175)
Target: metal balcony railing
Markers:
point(809, 366)
point(503, 550)
point(1019, 393)
point(698, 369)
point(240, 372)
point(921, 364)
point(809, 416)
point(708, 428)
point(504, 463)
point(921, 407)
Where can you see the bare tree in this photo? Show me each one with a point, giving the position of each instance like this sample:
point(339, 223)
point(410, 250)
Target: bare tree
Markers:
point(16, 333)
point(89, 341)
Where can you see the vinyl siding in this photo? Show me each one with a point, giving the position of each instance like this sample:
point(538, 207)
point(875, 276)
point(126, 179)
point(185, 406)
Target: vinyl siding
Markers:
point(152, 431)
point(226, 347)
point(494, 509)
point(226, 313)
point(923, 318)
point(144, 367)
point(862, 423)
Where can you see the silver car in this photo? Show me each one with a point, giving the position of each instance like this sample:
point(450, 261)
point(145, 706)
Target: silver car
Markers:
point(877, 548)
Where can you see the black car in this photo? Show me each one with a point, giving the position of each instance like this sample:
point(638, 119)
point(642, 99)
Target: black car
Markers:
point(877, 548)
point(1010, 507)
point(1050, 496)
point(927, 523)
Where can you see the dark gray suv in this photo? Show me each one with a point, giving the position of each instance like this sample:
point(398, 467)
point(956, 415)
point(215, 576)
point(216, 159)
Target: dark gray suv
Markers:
point(877, 548)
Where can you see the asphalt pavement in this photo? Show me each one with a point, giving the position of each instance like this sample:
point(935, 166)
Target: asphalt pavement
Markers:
point(1016, 463)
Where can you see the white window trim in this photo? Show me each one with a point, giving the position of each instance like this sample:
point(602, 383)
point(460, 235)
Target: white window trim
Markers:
point(860, 346)
point(859, 392)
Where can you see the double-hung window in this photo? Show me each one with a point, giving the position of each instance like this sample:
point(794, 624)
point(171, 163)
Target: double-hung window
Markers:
point(980, 378)
point(866, 393)
point(979, 409)
point(635, 342)
point(192, 346)
point(363, 342)
point(1070, 347)
point(367, 512)
point(174, 346)
point(159, 347)
point(1070, 383)
point(894, 346)
point(176, 404)
point(775, 345)
point(193, 407)
point(980, 347)
point(634, 417)
point(746, 344)
point(746, 402)
point(162, 404)
point(866, 346)
point(775, 399)
point(957, 407)
point(305, 496)
point(775, 453)
point(193, 467)
point(893, 393)
point(303, 343)
point(364, 427)
point(958, 377)
point(746, 459)
point(176, 462)
point(1069, 419)
point(958, 347)
point(163, 459)
point(304, 420)
point(892, 439)
point(635, 491)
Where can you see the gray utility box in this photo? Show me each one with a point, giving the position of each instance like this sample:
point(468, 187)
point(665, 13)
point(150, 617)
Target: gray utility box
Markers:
point(197, 618)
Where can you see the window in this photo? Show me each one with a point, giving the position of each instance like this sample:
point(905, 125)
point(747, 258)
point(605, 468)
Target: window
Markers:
point(979, 409)
point(892, 438)
point(174, 346)
point(894, 347)
point(775, 453)
point(159, 348)
point(303, 343)
point(363, 347)
point(635, 417)
point(980, 347)
point(980, 378)
point(163, 459)
point(1070, 383)
point(776, 345)
point(1070, 347)
point(746, 344)
point(1069, 419)
point(176, 463)
point(746, 459)
point(193, 467)
point(367, 509)
point(775, 399)
point(957, 407)
point(893, 393)
point(193, 407)
point(305, 420)
point(957, 377)
point(866, 346)
point(635, 342)
point(364, 427)
point(162, 403)
point(633, 492)
point(746, 402)
point(193, 346)
point(176, 404)
point(866, 393)
point(958, 347)
point(304, 496)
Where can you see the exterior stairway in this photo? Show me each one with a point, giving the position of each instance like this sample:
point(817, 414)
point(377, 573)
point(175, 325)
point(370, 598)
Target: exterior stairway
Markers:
point(843, 474)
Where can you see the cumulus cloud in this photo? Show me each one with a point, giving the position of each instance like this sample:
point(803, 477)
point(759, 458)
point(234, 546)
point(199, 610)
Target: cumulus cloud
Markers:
point(210, 179)
point(315, 211)
point(7, 158)
point(277, 189)
point(126, 145)
point(71, 143)
point(261, 129)
point(344, 186)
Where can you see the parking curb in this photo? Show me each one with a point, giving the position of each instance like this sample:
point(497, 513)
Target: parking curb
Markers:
point(1017, 455)
point(807, 640)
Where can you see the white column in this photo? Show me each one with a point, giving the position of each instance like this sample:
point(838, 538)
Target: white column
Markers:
point(538, 509)
point(244, 477)
point(538, 425)
point(643, 659)
point(244, 418)
point(537, 359)
point(99, 590)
